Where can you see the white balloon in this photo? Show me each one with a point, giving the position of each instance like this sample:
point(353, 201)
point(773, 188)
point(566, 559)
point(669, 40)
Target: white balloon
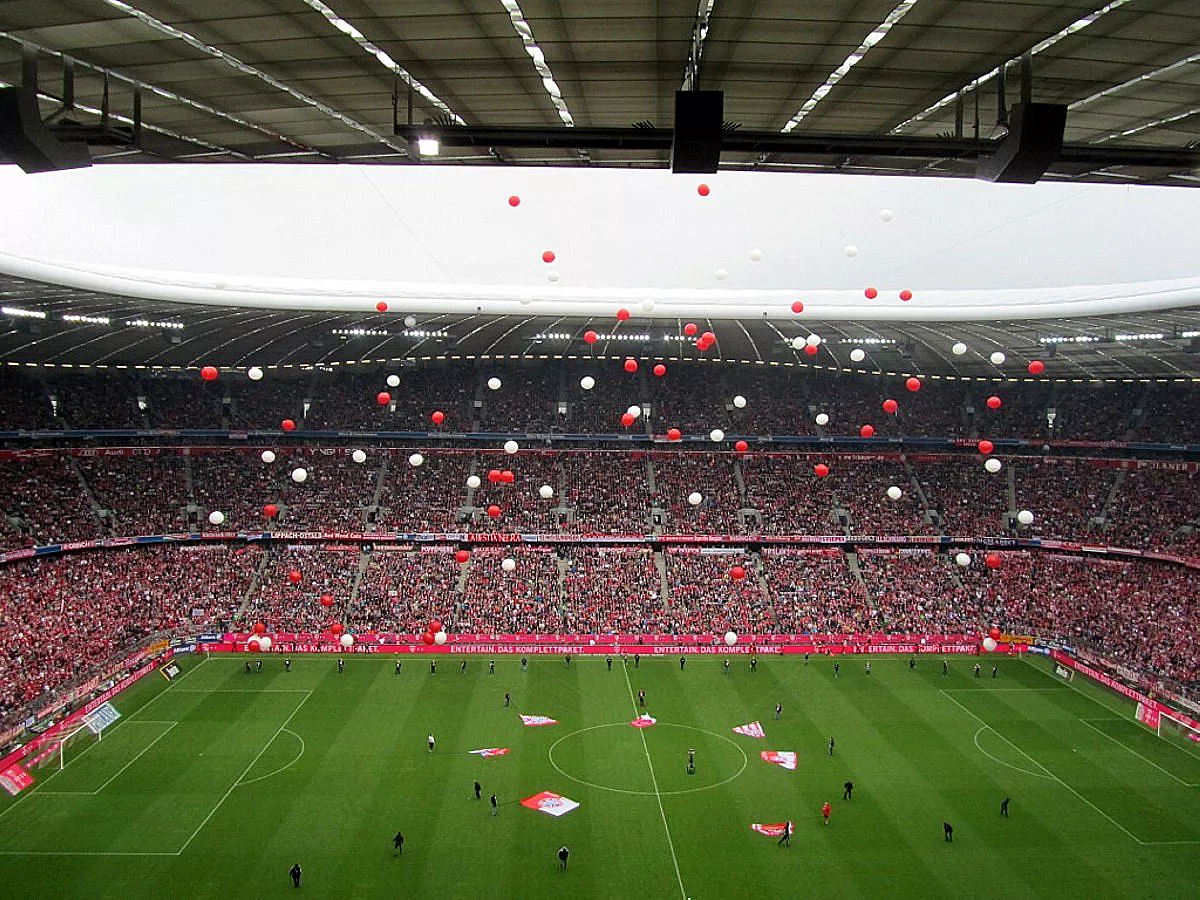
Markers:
point(439, 638)
point(739, 401)
point(347, 641)
point(963, 559)
point(526, 300)
point(393, 381)
point(755, 255)
point(695, 497)
point(494, 383)
point(989, 644)
point(822, 418)
point(546, 492)
point(299, 475)
point(716, 435)
point(887, 215)
point(648, 305)
point(508, 564)
point(415, 460)
point(959, 349)
point(254, 373)
point(216, 517)
point(858, 354)
point(997, 358)
point(850, 250)
point(894, 492)
point(992, 465)
point(635, 411)
point(264, 643)
point(721, 274)
point(552, 277)
point(359, 456)
point(410, 321)
point(798, 342)
point(587, 382)
point(1025, 517)
point(730, 638)
point(268, 456)
point(511, 447)
point(813, 340)
point(474, 481)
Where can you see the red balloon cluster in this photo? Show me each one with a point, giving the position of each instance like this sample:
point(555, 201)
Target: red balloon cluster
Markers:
point(294, 576)
point(706, 341)
point(811, 349)
point(1037, 367)
point(288, 425)
point(437, 417)
point(674, 434)
point(821, 470)
point(741, 446)
point(383, 398)
point(270, 511)
point(427, 637)
point(494, 476)
point(622, 315)
point(994, 402)
point(548, 256)
point(461, 556)
point(435, 625)
point(493, 511)
point(209, 373)
point(797, 307)
point(867, 431)
point(327, 600)
point(381, 306)
point(890, 406)
point(870, 293)
point(913, 384)
point(737, 573)
point(985, 447)
point(590, 337)
point(690, 329)
point(631, 365)
point(660, 370)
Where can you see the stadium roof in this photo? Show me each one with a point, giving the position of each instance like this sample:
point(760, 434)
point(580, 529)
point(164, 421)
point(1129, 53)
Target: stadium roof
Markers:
point(869, 86)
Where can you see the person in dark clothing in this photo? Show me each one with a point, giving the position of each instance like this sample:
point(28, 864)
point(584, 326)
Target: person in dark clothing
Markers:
point(247, 667)
point(945, 668)
point(831, 746)
point(495, 806)
point(754, 664)
point(398, 664)
point(948, 830)
point(507, 700)
point(642, 699)
point(433, 667)
point(341, 665)
point(568, 660)
point(524, 664)
point(1004, 807)
point(837, 668)
point(779, 710)
point(848, 790)
point(977, 669)
point(608, 660)
point(491, 667)
point(637, 661)
point(258, 666)
point(398, 842)
point(295, 871)
point(287, 665)
point(912, 663)
point(682, 662)
point(806, 659)
point(786, 840)
point(463, 668)
point(478, 791)
point(563, 853)
point(726, 667)
point(994, 671)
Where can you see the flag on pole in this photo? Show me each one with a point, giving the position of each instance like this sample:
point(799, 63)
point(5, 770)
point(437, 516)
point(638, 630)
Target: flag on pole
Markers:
point(754, 730)
point(773, 830)
point(785, 759)
point(489, 752)
point(550, 803)
point(534, 721)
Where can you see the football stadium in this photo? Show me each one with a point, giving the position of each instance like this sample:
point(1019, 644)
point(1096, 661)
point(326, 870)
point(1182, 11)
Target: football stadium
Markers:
point(510, 448)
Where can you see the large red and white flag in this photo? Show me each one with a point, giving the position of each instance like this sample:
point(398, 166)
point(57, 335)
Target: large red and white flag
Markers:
point(773, 830)
point(15, 779)
point(754, 729)
point(488, 752)
point(784, 758)
point(645, 720)
point(534, 721)
point(550, 803)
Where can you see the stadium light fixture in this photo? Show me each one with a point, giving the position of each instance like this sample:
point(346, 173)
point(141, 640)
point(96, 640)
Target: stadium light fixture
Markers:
point(18, 313)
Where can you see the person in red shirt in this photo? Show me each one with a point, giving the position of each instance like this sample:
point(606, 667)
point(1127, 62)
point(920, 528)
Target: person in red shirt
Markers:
point(826, 809)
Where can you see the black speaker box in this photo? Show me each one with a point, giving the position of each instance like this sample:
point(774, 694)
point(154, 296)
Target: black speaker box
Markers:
point(27, 142)
point(696, 146)
point(1034, 142)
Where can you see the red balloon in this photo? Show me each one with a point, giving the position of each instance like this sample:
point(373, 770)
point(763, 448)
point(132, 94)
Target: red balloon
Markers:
point(660, 370)
point(287, 425)
point(702, 190)
point(810, 350)
point(337, 627)
point(890, 406)
point(514, 200)
point(260, 628)
point(427, 637)
point(294, 576)
point(631, 365)
point(493, 511)
point(703, 345)
point(327, 600)
point(797, 307)
point(253, 645)
point(985, 447)
point(867, 431)
point(462, 556)
point(906, 295)
point(271, 511)
point(435, 625)
point(209, 373)
point(674, 434)
point(870, 293)
point(626, 419)
point(992, 560)
point(913, 384)
point(437, 417)
point(381, 306)
point(993, 402)
point(1037, 367)
point(737, 573)
point(383, 398)
point(494, 476)
point(690, 329)
point(507, 476)
point(741, 446)
point(590, 337)
point(709, 338)
point(821, 469)
point(547, 256)
point(622, 315)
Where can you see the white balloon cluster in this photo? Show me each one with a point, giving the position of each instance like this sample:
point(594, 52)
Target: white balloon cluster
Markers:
point(359, 456)
point(1025, 517)
point(959, 348)
point(508, 564)
point(963, 559)
point(299, 475)
point(992, 465)
point(730, 638)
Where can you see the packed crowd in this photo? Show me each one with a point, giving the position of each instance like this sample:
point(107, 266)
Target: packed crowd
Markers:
point(693, 397)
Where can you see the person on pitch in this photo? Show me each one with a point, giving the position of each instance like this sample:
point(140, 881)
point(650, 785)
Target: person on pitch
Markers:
point(831, 746)
point(463, 668)
point(786, 840)
point(507, 700)
point(433, 667)
point(524, 664)
point(287, 665)
point(682, 662)
point(912, 663)
point(848, 790)
point(868, 668)
point(491, 667)
point(948, 831)
point(779, 710)
point(295, 871)
point(431, 742)
point(563, 853)
point(398, 842)
point(341, 665)
point(495, 805)
point(837, 668)
point(608, 661)
point(1004, 807)
point(826, 811)
point(945, 668)
point(478, 791)
point(994, 670)
point(978, 669)
point(642, 699)
point(727, 667)
point(398, 664)
point(754, 664)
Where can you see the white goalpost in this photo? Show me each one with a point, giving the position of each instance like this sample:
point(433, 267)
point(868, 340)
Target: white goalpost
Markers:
point(1175, 729)
point(94, 722)
point(60, 744)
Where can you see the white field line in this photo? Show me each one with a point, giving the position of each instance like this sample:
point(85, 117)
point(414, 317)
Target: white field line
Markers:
point(283, 767)
point(1134, 752)
point(169, 725)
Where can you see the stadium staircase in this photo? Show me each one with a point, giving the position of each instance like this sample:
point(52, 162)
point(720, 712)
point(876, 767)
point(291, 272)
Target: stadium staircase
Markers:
point(372, 511)
point(364, 562)
point(103, 518)
point(252, 586)
point(660, 565)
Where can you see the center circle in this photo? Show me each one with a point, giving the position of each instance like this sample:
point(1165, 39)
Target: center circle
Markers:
point(598, 757)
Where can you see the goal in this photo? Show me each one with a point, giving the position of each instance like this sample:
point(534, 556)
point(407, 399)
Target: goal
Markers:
point(1174, 729)
point(94, 722)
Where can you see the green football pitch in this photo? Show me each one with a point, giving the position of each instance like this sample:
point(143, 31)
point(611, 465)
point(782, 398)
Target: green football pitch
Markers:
point(214, 785)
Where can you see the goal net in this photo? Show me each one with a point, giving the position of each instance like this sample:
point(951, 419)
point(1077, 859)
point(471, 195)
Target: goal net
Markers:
point(94, 722)
point(1174, 729)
